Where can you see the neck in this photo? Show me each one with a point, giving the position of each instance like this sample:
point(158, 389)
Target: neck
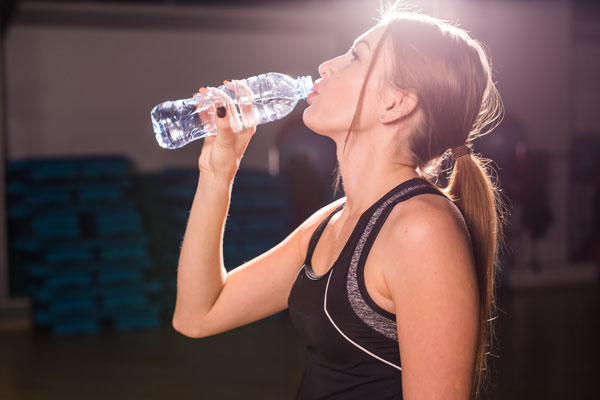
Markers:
point(369, 175)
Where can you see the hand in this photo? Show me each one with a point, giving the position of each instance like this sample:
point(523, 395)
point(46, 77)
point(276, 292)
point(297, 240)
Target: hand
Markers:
point(222, 153)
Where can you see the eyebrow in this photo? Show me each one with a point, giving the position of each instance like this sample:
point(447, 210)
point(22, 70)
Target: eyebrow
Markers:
point(362, 41)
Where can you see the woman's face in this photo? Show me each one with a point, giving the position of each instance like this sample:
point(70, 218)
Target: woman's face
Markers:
point(332, 109)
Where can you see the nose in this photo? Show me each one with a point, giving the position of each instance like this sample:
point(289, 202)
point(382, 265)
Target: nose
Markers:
point(325, 69)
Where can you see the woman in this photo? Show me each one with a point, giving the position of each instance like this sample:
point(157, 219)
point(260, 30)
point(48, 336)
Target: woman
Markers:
point(413, 319)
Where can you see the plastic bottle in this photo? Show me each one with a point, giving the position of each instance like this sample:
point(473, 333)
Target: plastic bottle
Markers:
point(274, 95)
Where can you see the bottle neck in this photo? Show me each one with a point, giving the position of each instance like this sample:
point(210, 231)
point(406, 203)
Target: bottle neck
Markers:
point(305, 86)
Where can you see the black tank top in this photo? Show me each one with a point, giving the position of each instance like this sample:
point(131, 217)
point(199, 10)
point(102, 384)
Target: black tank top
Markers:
point(351, 342)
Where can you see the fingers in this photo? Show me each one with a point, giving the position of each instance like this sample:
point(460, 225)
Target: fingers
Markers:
point(231, 120)
point(204, 108)
point(241, 111)
point(245, 101)
point(225, 136)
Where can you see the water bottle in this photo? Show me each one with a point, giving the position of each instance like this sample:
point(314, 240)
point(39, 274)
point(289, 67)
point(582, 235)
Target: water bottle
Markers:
point(273, 96)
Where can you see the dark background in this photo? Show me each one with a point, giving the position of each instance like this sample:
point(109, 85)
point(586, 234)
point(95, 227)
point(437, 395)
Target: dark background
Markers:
point(78, 80)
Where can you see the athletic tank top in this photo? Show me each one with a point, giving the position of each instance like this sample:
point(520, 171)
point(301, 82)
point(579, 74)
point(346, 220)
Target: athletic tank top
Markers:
point(351, 342)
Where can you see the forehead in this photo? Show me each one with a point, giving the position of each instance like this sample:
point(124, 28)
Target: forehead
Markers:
point(371, 36)
point(383, 62)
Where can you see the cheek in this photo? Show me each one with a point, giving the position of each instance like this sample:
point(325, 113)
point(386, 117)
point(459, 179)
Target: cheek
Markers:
point(327, 117)
point(370, 102)
point(340, 102)
point(368, 106)
point(333, 110)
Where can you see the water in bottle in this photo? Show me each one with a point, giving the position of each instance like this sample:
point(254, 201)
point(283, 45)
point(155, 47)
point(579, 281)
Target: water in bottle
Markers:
point(256, 100)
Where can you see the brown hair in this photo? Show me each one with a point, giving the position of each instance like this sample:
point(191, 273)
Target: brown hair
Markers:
point(451, 75)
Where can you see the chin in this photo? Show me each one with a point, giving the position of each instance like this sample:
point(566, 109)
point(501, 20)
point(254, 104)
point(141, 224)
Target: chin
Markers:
point(309, 121)
point(315, 124)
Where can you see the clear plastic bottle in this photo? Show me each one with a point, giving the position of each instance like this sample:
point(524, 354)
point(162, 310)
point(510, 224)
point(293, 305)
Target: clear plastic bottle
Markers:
point(274, 95)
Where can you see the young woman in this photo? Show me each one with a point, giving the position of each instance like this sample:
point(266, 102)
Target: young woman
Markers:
point(392, 286)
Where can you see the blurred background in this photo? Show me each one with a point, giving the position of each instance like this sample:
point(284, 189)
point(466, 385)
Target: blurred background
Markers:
point(93, 211)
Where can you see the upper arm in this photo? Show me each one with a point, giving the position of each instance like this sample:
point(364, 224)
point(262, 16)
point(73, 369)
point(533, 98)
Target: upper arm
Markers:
point(433, 285)
point(261, 286)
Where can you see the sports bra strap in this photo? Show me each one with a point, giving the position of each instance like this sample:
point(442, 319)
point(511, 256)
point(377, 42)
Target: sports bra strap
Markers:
point(317, 234)
point(420, 186)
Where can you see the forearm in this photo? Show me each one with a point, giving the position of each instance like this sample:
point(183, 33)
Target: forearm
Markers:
point(201, 271)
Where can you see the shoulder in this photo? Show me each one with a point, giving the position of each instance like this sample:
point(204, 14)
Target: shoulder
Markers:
point(426, 236)
point(425, 215)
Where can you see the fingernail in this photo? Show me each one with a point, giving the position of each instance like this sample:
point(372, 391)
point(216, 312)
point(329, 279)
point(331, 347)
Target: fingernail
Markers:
point(221, 112)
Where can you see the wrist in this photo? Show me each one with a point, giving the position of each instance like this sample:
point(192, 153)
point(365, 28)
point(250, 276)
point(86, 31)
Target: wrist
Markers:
point(216, 181)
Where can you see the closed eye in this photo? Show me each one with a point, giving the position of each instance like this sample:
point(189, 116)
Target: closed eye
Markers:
point(354, 56)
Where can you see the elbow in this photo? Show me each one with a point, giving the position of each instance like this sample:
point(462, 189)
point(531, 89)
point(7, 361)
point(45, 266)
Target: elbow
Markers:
point(186, 330)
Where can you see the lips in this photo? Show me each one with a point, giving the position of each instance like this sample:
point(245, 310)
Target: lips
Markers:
point(316, 86)
point(314, 93)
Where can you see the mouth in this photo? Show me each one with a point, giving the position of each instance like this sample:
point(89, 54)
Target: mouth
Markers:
point(316, 86)
point(314, 93)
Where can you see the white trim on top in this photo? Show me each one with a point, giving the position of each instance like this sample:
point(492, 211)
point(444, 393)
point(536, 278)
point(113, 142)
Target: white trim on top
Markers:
point(346, 337)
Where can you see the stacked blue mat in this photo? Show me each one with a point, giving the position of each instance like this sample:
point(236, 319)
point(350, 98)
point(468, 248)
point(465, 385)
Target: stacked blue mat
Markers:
point(78, 246)
point(258, 217)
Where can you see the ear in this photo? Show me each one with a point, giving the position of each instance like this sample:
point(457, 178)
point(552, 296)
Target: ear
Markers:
point(399, 105)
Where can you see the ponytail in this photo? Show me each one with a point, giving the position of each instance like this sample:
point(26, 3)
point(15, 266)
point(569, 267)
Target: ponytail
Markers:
point(477, 196)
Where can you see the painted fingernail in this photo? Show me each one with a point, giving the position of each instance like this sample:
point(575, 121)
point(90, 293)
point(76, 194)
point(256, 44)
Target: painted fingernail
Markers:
point(221, 112)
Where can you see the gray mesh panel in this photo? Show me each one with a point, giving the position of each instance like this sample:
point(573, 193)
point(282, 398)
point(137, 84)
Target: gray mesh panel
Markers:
point(369, 316)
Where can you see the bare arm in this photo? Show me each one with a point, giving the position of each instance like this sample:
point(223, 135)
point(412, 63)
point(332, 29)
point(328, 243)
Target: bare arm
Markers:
point(210, 300)
point(434, 289)
point(201, 272)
